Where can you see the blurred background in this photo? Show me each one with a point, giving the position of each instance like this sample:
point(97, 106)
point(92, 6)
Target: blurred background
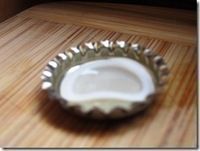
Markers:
point(8, 8)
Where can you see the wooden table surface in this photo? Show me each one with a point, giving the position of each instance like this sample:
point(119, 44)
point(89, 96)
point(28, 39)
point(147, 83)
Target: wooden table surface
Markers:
point(33, 37)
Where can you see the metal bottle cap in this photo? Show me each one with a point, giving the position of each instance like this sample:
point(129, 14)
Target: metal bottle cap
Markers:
point(55, 71)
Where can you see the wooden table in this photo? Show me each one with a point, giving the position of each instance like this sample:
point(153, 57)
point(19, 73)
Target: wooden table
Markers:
point(33, 37)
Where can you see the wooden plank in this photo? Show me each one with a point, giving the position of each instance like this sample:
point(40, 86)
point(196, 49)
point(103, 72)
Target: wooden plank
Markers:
point(168, 24)
point(30, 39)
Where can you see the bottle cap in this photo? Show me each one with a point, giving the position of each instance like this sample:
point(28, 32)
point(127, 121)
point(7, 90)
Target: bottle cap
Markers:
point(105, 79)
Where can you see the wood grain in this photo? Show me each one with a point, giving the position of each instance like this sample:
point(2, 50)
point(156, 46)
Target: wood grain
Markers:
point(30, 39)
